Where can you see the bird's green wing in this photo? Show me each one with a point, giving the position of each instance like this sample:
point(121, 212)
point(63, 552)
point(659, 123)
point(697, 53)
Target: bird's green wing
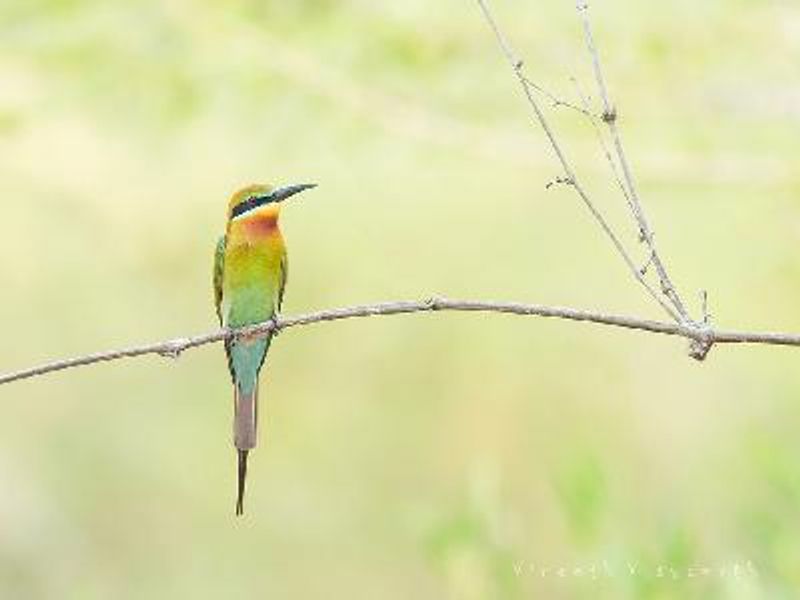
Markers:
point(219, 267)
point(284, 278)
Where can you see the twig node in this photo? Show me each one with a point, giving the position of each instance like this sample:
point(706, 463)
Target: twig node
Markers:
point(434, 302)
point(173, 349)
point(609, 116)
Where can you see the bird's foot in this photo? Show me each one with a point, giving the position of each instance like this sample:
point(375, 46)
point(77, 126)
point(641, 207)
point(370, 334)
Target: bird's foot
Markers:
point(276, 326)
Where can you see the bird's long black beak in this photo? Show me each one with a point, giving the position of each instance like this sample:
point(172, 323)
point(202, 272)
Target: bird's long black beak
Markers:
point(277, 195)
point(282, 193)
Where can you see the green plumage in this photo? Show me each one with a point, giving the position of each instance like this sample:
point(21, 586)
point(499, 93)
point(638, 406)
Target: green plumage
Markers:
point(250, 290)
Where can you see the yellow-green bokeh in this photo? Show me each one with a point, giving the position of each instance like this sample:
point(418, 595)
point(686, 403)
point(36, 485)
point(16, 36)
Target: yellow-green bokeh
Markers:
point(429, 456)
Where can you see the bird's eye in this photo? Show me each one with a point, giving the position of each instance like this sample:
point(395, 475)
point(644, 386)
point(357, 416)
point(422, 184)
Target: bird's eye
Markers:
point(246, 206)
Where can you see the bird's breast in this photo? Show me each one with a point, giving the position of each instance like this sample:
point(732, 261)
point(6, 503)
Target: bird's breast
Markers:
point(252, 277)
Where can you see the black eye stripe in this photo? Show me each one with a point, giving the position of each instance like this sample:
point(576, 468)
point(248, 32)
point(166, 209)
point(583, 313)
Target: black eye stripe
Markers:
point(249, 205)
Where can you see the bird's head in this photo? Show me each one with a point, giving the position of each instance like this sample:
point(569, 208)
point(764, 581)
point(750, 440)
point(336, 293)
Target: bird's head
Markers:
point(262, 200)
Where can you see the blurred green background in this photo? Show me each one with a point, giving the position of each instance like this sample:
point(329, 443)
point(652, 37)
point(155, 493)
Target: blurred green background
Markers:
point(446, 456)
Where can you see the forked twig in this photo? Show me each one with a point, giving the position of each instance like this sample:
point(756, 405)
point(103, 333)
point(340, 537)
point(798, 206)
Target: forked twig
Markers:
point(517, 65)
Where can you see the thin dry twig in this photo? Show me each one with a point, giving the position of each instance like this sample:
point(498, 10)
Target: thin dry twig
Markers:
point(559, 102)
point(600, 140)
point(610, 117)
point(701, 338)
point(570, 176)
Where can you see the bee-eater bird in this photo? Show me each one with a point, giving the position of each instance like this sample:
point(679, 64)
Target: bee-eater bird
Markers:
point(249, 279)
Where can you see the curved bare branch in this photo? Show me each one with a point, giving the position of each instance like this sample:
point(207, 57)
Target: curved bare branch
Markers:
point(701, 338)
